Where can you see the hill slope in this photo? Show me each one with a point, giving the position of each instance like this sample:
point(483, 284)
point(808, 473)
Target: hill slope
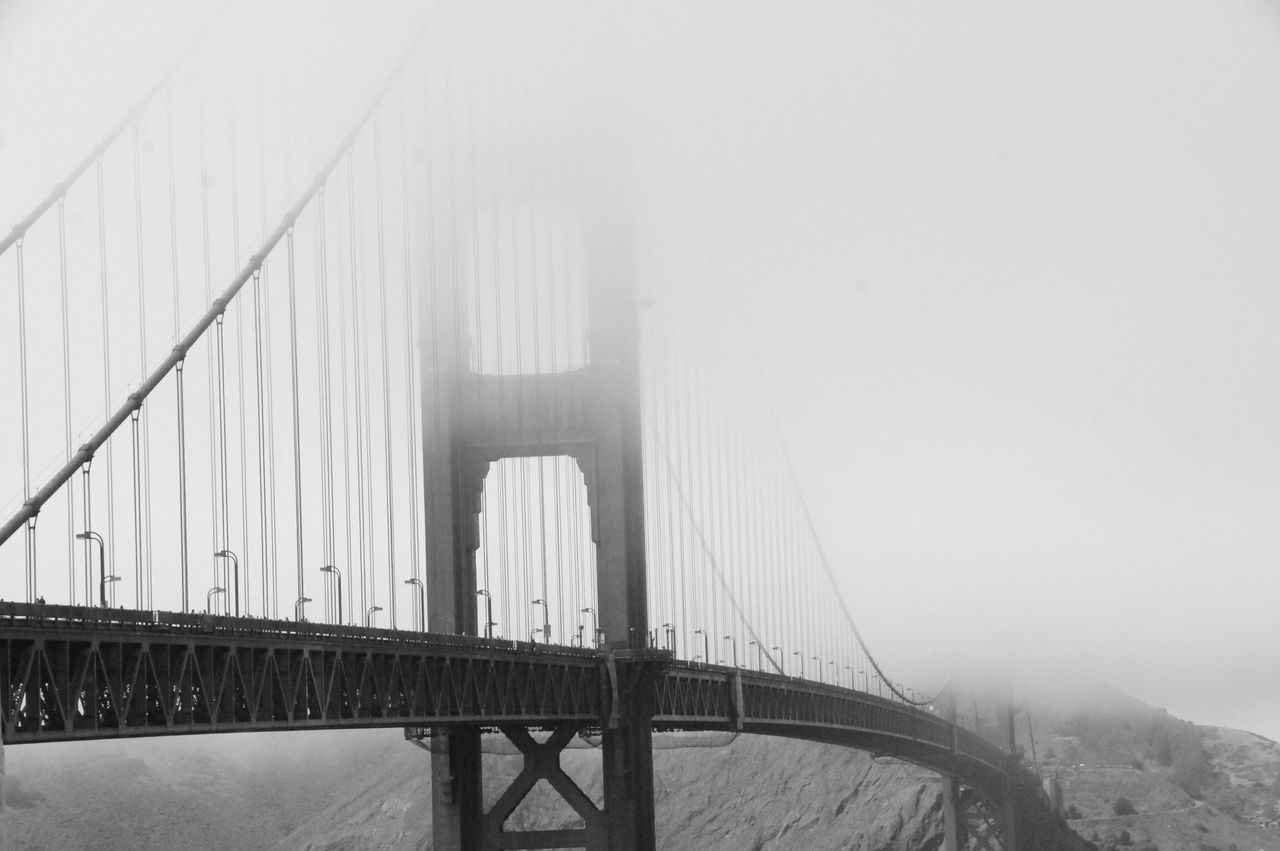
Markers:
point(370, 789)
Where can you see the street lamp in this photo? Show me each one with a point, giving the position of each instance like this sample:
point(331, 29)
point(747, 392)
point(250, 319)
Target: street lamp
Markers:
point(533, 632)
point(800, 654)
point(595, 629)
point(576, 641)
point(779, 659)
point(488, 612)
point(671, 636)
point(422, 602)
point(368, 615)
point(759, 654)
point(329, 568)
point(102, 564)
point(298, 605)
point(208, 598)
point(734, 642)
point(818, 666)
point(236, 562)
point(706, 644)
point(853, 683)
point(546, 620)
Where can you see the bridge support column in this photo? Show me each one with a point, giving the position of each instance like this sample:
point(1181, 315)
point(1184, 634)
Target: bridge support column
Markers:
point(628, 768)
point(456, 793)
point(952, 813)
point(1009, 794)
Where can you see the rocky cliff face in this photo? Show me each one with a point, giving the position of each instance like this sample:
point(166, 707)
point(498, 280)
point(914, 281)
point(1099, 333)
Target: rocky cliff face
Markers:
point(1191, 789)
point(369, 789)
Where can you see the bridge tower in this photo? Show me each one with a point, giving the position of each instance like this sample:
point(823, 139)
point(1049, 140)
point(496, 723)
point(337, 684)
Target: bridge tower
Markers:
point(592, 413)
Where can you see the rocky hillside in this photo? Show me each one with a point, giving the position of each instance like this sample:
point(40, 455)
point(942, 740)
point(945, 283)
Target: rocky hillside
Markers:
point(370, 790)
point(1131, 770)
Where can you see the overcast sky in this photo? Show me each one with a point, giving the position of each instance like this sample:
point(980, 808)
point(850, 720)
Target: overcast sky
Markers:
point(1009, 271)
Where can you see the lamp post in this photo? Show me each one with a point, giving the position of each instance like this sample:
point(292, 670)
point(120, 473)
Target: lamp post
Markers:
point(298, 608)
point(422, 602)
point(779, 660)
point(329, 568)
point(368, 615)
point(835, 674)
point(488, 611)
point(852, 682)
point(671, 636)
point(576, 640)
point(236, 562)
point(595, 629)
point(533, 634)
point(818, 666)
point(102, 564)
point(706, 644)
point(546, 620)
point(800, 655)
point(208, 598)
point(734, 643)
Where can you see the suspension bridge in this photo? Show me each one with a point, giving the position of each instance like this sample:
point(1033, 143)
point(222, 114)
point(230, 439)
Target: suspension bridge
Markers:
point(325, 425)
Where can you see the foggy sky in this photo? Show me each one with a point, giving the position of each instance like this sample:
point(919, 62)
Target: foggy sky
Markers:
point(1008, 275)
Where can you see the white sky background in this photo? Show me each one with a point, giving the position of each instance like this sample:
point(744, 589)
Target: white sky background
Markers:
point(1010, 273)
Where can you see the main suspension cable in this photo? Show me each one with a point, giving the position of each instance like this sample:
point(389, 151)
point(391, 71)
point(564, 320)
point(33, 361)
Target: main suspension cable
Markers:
point(32, 505)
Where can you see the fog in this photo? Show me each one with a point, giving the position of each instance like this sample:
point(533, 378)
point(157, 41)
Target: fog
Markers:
point(1007, 277)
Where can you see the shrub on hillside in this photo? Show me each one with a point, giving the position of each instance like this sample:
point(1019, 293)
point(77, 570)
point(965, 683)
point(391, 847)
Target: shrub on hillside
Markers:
point(1124, 807)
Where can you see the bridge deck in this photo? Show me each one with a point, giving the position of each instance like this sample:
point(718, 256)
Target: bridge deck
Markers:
point(79, 673)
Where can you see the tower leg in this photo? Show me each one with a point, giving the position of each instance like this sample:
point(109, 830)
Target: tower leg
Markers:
point(457, 799)
point(628, 773)
point(951, 813)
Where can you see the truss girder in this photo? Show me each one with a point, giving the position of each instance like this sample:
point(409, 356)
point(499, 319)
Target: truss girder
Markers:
point(704, 697)
point(77, 672)
point(63, 684)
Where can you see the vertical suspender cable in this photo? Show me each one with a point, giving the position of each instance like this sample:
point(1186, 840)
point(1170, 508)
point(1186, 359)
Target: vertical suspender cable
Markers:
point(501, 470)
point(359, 351)
point(271, 422)
point(346, 437)
point(364, 397)
point(414, 472)
point(219, 542)
point(87, 495)
point(222, 446)
point(25, 414)
point(676, 563)
point(245, 555)
point(537, 381)
point(386, 369)
point(557, 467)
point(137, 508)
point(141, 505)
point(106, 371)
point(262, 442)
point(182, 486)
point(66, 393)
point(326, 406)
point(183, 550)
point(297, 445)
